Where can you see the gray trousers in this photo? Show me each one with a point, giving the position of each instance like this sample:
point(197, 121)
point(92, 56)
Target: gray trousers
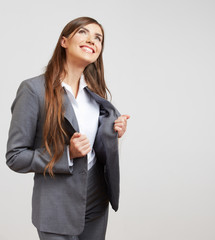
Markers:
point(96, 216)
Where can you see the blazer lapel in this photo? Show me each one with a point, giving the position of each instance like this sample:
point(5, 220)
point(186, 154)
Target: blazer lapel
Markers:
point(69, 112)
point(106, 104)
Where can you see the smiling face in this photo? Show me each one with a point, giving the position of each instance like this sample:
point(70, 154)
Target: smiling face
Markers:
point(84, 46)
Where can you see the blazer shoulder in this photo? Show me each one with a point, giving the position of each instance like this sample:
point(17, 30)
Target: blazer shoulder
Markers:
point(36, 85)
point(29, 91)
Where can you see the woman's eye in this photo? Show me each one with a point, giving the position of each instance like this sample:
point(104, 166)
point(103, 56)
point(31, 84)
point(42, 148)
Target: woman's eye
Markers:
point(81, 31)
point(98, 38)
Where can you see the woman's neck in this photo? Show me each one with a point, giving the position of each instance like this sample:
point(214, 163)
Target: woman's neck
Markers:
point(73, 77)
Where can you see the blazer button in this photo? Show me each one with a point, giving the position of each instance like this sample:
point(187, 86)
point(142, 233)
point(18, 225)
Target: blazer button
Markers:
point(83, 172)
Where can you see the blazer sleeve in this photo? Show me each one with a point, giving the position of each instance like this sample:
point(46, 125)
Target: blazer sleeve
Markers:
point(21, 155)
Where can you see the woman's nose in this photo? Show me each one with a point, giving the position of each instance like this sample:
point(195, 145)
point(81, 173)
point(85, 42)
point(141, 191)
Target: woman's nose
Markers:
point(90, 40)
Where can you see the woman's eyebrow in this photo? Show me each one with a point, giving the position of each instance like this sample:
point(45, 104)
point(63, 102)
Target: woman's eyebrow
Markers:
point(97, 34)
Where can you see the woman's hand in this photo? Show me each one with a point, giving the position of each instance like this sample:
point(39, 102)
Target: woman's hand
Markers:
point(120, 124)
point(79, 145)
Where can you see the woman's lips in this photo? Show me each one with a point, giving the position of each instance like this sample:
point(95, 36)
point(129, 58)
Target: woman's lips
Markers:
point(87, 49)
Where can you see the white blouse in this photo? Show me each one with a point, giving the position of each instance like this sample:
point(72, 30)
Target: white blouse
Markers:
point(87, 113)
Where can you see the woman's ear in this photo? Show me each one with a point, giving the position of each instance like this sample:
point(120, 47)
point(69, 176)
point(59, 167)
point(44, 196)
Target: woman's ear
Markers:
point(63, 42)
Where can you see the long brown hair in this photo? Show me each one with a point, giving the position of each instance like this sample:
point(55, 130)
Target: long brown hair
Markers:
point(53, 132)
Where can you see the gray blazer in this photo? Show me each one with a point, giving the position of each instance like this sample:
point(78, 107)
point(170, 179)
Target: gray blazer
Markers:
point(58, 204)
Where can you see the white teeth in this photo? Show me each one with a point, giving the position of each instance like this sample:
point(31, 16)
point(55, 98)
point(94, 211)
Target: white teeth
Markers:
point(86, 49)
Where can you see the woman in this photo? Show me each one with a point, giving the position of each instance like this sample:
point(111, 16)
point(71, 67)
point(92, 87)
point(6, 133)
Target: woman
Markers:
point(65, 131)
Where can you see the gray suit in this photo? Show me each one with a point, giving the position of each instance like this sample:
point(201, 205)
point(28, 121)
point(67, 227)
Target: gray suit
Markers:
point(59, 203)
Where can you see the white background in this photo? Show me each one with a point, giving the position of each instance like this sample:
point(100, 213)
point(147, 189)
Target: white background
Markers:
point(159, 65)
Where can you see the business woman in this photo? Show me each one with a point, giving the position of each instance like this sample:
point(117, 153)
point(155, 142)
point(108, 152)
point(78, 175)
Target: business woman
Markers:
point(65, 130)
